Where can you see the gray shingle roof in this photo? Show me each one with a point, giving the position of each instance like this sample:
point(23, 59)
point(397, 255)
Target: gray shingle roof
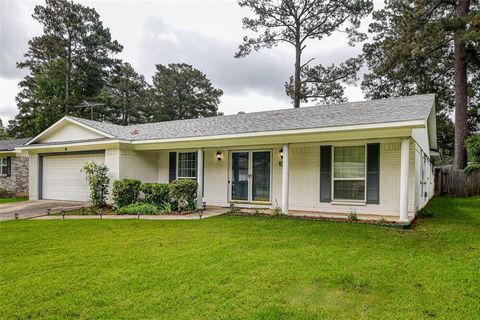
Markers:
point(11, 144)
point(391, 110)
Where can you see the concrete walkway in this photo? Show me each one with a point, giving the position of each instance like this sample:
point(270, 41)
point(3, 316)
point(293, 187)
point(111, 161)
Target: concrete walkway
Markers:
point(34, 208)
point(191, 216)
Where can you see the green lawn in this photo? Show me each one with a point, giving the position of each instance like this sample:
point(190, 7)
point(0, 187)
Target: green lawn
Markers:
point(243, 267)
point(14, 199)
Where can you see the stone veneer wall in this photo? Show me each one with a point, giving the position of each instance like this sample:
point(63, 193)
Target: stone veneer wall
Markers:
point(18, 181)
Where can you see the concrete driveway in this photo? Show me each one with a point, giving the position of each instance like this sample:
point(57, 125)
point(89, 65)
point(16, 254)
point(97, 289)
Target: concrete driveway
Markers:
point(35, 208)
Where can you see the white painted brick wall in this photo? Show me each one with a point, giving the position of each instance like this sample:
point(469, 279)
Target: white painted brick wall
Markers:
point(305, 179)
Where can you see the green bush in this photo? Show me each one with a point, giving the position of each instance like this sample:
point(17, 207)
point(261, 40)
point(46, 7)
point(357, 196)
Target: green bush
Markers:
point(424, 213)
point(156, 193)
point(126, 192)
point(472, 145)
point(96, 174)
point(166, 208)
point(138, 208)
point(184, 192)
point(3, 193)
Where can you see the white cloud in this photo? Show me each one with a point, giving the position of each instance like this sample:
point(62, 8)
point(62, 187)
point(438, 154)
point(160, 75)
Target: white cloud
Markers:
point(203, 33)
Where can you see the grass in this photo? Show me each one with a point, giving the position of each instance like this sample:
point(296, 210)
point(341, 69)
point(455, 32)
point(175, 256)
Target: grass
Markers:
point(233, 267)
point(14, 199)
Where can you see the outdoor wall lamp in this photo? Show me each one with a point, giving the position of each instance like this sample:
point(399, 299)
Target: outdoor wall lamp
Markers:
point(280, 163)
point(218, 155)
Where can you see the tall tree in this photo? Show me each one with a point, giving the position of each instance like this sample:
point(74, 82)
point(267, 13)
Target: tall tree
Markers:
point(125, 96)
point(182, 92)
point(295, 22)
point(3, 131)
point(68, 63)
point(429, 46)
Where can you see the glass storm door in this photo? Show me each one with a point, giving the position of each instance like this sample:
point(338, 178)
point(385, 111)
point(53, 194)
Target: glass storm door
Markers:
point(251, 175)
point(240, 176)
point(261, 176)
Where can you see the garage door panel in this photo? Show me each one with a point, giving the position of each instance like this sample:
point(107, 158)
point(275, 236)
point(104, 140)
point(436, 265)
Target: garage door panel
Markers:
point(63, 178)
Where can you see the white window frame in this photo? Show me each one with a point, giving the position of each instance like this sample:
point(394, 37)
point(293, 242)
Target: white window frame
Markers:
point(178, 165)
point(364, 200)
point(2, 165)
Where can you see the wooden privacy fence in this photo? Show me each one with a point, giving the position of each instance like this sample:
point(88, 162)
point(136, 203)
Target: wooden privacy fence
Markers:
point(452, 182)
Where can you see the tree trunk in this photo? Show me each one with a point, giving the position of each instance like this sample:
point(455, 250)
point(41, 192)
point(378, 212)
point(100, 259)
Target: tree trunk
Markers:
point(68, 78)
point(461, 97)
point(297, 84)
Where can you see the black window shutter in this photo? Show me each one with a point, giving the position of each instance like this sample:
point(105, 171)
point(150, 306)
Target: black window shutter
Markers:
point(373, 173)
point(325, 173)
point(9, 166)
point(172, 166)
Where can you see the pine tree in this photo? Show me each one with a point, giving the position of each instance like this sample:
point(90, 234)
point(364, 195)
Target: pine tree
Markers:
point(68, 63)
point(429, 47)
point(295, 22)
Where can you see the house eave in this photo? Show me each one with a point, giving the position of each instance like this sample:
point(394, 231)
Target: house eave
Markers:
point(70, 144)
point(68, 119)
point(392, 129)
point(410, 124)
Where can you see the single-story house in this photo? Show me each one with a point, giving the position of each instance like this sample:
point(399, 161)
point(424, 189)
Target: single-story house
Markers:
point(13, 167)
point(371, 157)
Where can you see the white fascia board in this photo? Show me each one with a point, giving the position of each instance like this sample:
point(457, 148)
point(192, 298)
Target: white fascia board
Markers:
point(77, 144)
point(413, 124)
point(59, 122)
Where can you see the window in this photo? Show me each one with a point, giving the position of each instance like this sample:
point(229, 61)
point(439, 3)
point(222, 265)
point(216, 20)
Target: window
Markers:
point(349, 173)
point(4, 166)
point(187, 165)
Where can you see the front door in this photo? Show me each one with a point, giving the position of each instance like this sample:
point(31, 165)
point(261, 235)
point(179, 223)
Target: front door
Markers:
point(250, 176)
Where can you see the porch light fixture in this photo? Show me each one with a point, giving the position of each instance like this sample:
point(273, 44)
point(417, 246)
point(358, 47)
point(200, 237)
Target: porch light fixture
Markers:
point(218, 155)
point(281, 153)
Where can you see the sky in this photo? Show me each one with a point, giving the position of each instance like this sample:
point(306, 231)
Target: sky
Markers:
point(202, 33)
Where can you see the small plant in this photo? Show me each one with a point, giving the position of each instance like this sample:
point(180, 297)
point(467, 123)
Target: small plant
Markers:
point(382, 220)
point(277, 211)
point(96, 175)
point(156, 193)
point(166, 208)
point(424, 213)
point(138, 208)
point(3, 193)
point(184, 192)
point(233, 209)
point(352, 215)
point(125, 192)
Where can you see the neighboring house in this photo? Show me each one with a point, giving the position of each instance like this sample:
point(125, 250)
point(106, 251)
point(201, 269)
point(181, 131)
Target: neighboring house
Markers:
point(371, 157)
point(13, 167)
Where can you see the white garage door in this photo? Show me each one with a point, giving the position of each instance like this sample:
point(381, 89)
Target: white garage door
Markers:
point(63, 178)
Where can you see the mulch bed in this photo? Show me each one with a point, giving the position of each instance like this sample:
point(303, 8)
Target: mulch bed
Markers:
point(298, 217)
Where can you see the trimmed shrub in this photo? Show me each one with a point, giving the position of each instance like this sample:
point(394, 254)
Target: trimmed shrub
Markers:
point(126, 192)
point(96, 174)
point(184, 192)
point(4, 193)
point(138, 208)
point(156, 193)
